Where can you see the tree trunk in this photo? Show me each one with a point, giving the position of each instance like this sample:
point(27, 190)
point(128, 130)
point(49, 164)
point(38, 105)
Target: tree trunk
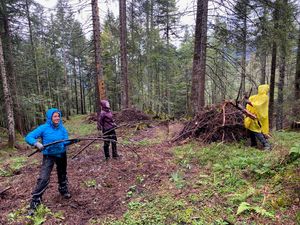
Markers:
point(75, 85)
point(273, 67)
point(244, 49)
point(99, 82)
point(8, 100)
point(279, 114)
point(66, 88)
point(123, 45)
point(82, 103)
point(34, 60)
point(283, 54)
point(297, 74)
point(11, 74)
point(199, 60)
point(263, 64)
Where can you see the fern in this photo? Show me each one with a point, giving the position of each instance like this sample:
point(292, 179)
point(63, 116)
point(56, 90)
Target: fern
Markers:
point(245, 206)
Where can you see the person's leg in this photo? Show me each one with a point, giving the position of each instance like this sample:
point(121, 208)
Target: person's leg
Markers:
point(42, 182)
point(106, 148)
point(263, 140)
point(61, 167)
point(252, 138)
point(113, 136)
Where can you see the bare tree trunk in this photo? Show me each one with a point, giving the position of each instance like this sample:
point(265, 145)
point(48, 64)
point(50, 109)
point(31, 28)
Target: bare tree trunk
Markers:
point(297, 74)
point(273, 67)
point(279, 115)
point(33, 52)
point(34, 60)
point(283, 53)
point(11, 74)
point(123, 45)
point(66, 89)
point(263, 64)
point(99, 82)
point(199, 61)
point(244, 50)
point(82, 106)
point(75, 86)
point(8, 101)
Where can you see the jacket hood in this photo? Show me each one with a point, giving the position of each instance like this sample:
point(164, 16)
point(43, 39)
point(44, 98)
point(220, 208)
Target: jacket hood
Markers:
point(104, 104)
point(49, 115)
point(263, 89)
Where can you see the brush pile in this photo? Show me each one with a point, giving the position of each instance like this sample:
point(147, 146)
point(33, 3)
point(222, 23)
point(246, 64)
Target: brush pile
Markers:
point(130, 115)
point(222, 122)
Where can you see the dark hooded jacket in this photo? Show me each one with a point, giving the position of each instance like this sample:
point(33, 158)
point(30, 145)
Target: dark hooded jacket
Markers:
point(48, 133)
point(105, 118)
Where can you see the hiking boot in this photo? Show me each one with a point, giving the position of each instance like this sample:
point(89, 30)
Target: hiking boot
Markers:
point(117, 157)
point(64, 192)
point(67, 195)
point(267, 148)
point(35, 202)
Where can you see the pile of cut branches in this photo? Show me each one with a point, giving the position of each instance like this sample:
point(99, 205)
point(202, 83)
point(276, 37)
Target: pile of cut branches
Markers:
point(223, 122)
point(130, 115)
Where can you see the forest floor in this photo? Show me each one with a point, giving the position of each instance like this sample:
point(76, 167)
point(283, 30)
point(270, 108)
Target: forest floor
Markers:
point(156, 181)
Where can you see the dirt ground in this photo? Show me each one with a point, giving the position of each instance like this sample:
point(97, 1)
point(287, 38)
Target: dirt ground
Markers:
point(99, 188)
point(112, 179)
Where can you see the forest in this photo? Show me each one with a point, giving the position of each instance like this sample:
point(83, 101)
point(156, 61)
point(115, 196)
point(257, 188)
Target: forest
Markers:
point(160, 74)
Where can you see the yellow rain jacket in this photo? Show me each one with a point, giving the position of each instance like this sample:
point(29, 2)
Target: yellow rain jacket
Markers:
point(260, 108)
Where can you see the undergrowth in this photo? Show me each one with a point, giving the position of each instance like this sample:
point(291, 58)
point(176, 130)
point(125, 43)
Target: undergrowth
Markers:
point(234, 184)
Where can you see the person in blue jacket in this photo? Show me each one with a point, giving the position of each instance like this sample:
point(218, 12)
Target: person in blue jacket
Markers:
point(52, 130)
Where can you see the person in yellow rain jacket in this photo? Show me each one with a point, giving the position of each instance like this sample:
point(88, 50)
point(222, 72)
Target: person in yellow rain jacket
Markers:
point(259, 126)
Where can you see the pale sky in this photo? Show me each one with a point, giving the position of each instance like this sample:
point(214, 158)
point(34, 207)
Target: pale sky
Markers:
point(84, 16)
point(114, 7)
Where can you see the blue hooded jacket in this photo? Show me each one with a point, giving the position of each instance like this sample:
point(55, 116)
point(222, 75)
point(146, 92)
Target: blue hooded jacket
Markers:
point(48, 133)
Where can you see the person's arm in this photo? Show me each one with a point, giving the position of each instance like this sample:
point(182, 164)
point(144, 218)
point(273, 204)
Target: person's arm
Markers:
point(32, 137)
point(101, 121)
point(99, 127)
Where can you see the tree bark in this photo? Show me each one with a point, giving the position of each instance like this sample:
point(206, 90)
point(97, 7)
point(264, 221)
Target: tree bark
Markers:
point(297, 74)
point(99, 82)
point(8, 101)
point(11, 74)
point(123, 45)
point(279, 114)
point(199, 60)
point(273, 67)
point(263, 64)
point(244, 49)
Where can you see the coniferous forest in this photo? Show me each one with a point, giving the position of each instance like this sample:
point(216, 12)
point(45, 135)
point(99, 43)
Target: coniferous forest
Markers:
point(145, 57)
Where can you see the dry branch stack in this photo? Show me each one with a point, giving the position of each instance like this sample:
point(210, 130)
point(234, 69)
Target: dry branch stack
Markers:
point(222, 122)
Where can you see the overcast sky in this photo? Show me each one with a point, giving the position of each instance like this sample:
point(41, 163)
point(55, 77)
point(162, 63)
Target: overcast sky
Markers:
point(114, 6)
point(84, 16)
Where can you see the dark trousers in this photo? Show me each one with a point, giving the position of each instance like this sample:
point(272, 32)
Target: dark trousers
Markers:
point(260, 137)
point(110, 135)
point(44, 178)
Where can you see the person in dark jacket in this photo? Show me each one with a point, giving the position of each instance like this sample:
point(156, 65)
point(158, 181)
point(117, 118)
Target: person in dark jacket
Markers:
point(106, 123)
point(52, 130)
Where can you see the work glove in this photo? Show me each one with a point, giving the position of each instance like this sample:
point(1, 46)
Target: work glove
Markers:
point(39, 145)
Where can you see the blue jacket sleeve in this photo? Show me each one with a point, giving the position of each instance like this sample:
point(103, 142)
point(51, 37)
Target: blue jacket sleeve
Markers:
point(32, 137)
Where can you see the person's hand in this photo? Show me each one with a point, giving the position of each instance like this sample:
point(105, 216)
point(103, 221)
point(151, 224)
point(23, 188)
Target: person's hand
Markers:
point(248, 102)
point(267, 136)
point(39, 145)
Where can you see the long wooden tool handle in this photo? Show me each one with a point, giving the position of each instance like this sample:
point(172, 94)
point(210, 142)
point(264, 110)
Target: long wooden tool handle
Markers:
point(81, 150)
